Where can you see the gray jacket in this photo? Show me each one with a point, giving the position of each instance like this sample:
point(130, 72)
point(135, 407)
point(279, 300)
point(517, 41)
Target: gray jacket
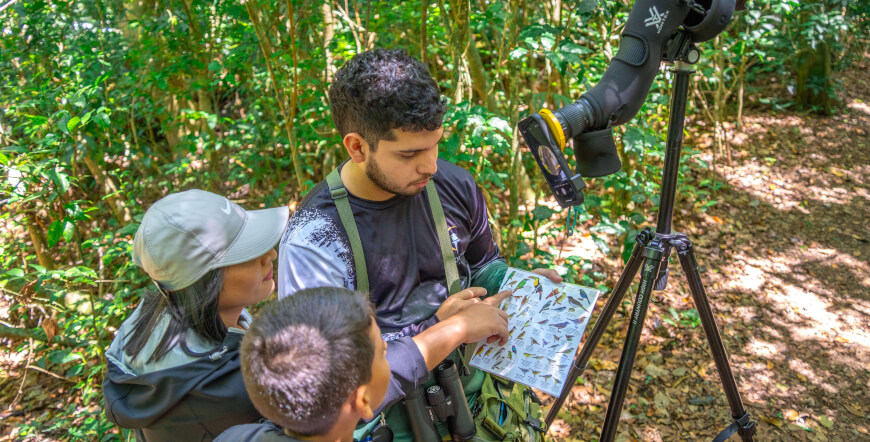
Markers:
point(179, 397)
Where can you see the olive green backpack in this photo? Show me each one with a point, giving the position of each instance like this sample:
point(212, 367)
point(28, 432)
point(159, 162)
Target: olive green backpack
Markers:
point(507, 411)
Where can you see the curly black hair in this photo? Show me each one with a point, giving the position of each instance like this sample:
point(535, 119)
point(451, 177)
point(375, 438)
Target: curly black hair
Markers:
point(384, 89)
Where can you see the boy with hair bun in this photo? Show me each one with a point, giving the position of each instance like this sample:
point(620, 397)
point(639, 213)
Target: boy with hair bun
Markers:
point(315, 363)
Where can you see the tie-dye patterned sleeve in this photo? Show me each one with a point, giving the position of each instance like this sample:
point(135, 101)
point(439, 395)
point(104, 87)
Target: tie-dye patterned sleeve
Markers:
point(314, 252)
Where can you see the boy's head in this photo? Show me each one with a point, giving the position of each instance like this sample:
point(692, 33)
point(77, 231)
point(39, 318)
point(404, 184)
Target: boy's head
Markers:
point(313, 357)
point(389, 112)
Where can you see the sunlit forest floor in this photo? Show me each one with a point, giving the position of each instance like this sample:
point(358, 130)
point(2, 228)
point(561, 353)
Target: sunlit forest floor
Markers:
point(784, 257)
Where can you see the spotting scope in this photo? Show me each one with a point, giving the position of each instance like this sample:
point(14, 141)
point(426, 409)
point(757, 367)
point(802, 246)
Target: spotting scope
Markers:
point(656, 30)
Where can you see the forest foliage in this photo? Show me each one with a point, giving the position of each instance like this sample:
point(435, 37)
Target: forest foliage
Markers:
point(105, 106)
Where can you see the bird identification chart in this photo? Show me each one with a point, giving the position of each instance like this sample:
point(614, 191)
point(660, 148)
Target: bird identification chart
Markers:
point(545, 321)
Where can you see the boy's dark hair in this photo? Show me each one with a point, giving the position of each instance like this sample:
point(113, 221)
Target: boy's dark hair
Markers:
point(303, 356)
point(384, 89)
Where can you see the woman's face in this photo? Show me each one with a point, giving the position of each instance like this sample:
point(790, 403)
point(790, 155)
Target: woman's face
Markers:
point(247, 283)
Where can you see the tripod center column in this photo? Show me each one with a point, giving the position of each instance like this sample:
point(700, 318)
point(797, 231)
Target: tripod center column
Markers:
point(682, 71)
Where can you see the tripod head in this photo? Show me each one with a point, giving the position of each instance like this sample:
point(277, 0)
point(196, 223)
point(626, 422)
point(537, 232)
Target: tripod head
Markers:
point(656, 31)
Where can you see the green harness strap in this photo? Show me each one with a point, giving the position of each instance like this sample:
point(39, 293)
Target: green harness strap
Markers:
point(450, 271)
point(345, 213)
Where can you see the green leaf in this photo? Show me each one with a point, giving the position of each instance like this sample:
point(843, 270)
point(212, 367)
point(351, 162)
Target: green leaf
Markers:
point(523, 248)
point(102, 78)
point(15, 273)
point(60, 179)
point(63, 356)
point(103, 120)
point(518, 53)
point(86, 117)
point(37, 120)
point(55, 231)
point(826, 422)
point(71, 124)
point(128, 229)
point(543, 213)
point(548, 40)
point(638, 197)
point(601, 244)
point(214, 66)
point(500, 124)
point(586, 6)
point(211, 120)
point(63, 124)
point(68, 230)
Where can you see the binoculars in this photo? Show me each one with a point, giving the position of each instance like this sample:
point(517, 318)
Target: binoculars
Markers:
point(442, 402)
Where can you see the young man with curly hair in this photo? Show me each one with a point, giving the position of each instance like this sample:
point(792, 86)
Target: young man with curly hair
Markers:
point(389, 112)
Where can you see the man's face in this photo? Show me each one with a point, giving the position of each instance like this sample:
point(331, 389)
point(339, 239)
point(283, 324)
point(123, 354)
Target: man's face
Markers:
point(377, 386)
point(403, 166)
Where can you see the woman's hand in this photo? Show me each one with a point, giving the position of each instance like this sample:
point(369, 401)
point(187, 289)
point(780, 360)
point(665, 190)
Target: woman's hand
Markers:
point(551, 274)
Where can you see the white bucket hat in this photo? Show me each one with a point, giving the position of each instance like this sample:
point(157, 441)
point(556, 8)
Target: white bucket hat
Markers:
point(187, 234)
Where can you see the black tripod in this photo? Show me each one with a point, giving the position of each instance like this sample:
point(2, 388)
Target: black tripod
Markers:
point(651, 254)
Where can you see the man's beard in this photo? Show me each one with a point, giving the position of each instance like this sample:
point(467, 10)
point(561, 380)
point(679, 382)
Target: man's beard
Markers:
point(374, 173)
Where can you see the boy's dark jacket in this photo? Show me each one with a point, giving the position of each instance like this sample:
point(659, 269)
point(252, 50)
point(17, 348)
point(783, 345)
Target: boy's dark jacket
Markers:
point(194, 401)
point(197, 398)
point(260, 432)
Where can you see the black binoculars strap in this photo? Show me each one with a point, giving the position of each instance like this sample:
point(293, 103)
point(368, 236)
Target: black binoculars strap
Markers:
point(339, 196)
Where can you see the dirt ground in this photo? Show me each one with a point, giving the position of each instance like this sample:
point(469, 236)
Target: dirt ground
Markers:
point(785, 259)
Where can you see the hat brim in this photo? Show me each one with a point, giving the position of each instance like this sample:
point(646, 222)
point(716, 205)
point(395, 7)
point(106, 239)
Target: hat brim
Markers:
point(262, 230)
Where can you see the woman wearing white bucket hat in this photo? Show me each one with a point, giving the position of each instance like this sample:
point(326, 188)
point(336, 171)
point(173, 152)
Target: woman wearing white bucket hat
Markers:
point(173, 368)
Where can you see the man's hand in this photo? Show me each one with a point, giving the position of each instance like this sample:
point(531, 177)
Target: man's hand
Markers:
point(551, 274)
point(476, 320)
point(484, 320)
point(459, 301)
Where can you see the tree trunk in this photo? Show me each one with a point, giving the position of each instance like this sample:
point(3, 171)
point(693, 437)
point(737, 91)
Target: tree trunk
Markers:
point(459, 40)
point(37, 237)
point(479, 78)
point(107, 185)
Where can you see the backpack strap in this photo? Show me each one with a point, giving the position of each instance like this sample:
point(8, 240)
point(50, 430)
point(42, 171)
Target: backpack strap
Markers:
point(339, 196)
point(450, 270)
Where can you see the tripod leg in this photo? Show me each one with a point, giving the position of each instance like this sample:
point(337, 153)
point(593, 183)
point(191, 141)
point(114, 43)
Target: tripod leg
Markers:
point(604, 318)
point(653, 254)
point(744, 426)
